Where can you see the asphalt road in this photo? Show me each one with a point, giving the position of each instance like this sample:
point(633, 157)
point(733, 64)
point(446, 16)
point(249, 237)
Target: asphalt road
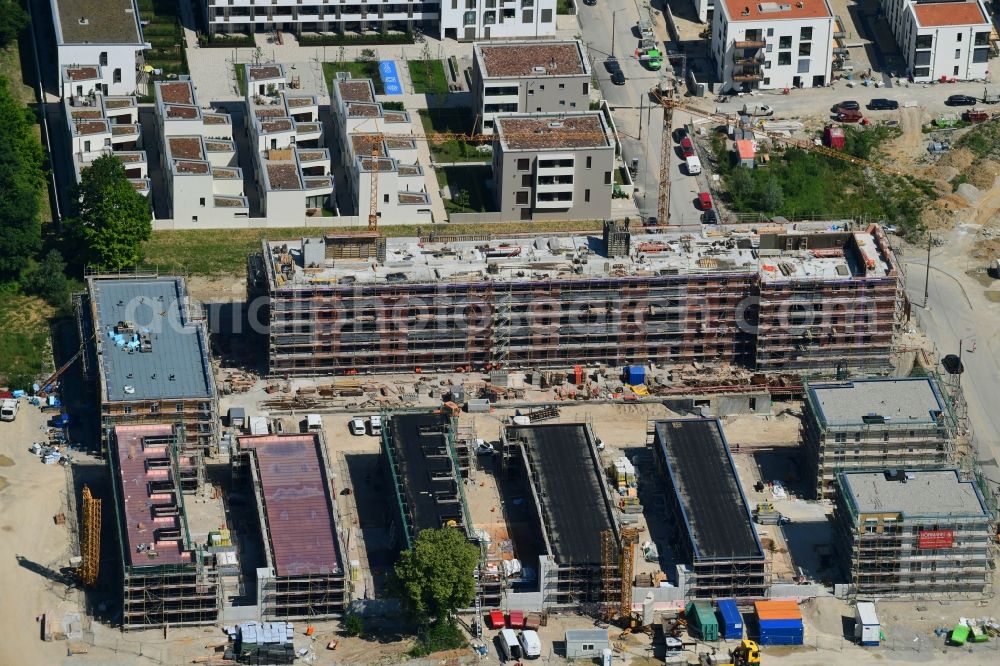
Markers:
point(959, 316)
point(639, 124)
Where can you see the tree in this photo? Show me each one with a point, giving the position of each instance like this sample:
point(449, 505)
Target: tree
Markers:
point(435, 577)
point(112, 219)
point(741, 184)
point(772, 198)
point(48, 280)
point(13, 19)
point(462, 199)
point(22, 183)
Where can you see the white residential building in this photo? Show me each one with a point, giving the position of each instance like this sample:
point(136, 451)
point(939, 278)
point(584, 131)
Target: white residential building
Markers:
point(705, 10)
point(104, 35)
point(204, 187)
point(291, 166)
point(97, 125)
point(941, 39)
point(773, 45)
point(374, 142)
point(297, 16)
point(529, 77)
point(467, 20)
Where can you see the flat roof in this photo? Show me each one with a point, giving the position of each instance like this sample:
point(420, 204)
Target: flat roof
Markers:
point(567, 482)
point(298, 503)
point(140, 452)
point(264, 72)
point(745, 10)
point(714, 510)
point(96, 22)
point(425, 467)
point(356, 90)
point(572, 257)
point(552, 131)
point(531, 59)
point(926, 493)
point(177, 365)
point(940, 14)
point(911, 400)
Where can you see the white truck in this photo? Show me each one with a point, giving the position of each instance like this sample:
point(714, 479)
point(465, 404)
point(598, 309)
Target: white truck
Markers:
point(757, 110)
point(8, 409)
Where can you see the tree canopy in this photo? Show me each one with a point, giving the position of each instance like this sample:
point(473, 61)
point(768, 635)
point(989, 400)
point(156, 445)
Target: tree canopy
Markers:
point(112, 219)
point(13, 19)
point(435, 577)
point(22, 183)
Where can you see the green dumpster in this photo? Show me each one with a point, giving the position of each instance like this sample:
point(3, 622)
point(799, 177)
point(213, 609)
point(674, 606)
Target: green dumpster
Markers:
point(959, 634)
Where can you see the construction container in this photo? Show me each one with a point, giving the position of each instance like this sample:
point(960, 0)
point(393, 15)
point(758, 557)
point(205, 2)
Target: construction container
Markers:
point(477, 405)
point(516, 618)
point(730, 620)
point(779, 622)
point(959, 635)
point(701, 621)
point(634, 375)
point(833, 137)
point(497, 620)
point(866, 624)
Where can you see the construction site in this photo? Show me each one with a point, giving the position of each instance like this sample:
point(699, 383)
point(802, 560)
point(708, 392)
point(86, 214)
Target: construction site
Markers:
point(773, 299)
point(709, 513)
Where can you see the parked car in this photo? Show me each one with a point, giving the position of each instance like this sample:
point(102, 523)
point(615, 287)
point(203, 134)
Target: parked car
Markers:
point(611, 64)
point(704, 201)
point(590, 3)
point(8, 409)
point(531, 646)
point(652, 221)
point(357, 426)
point(508, 647)
point(693, 165)
point(484, 448)
point(618, 78)
point(709, 217)
point(680, 133)
point(960, 100)
point(687, 147)
point(849, 116)
point(882, 104)
point(757, 110)
point(375, 425)
point(849, 104)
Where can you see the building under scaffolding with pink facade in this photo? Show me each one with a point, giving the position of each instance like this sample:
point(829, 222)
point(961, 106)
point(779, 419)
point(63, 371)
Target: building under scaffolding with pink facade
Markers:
point(780, 300)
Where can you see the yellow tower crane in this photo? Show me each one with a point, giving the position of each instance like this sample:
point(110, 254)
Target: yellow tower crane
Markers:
point(90, 539)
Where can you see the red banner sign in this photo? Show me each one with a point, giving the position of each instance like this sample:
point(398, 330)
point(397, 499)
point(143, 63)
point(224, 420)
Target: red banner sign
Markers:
point(935, 539)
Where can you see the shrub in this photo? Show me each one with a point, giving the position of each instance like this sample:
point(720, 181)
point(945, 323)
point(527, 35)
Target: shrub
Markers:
point(354, 625)
point(312, 39)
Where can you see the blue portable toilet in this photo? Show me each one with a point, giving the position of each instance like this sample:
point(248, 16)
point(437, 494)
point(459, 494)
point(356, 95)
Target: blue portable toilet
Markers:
point(730, 620)
point(634, 375)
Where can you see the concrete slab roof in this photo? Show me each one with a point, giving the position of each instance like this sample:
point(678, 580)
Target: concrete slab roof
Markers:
point(912, 400)
point(528, 59)
point(552, 131)
point(177, 365)
point(925, 493)
point(747, 10)
point(943, 14)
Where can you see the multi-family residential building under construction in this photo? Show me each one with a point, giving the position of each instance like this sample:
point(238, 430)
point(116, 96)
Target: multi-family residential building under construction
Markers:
point(775, 299)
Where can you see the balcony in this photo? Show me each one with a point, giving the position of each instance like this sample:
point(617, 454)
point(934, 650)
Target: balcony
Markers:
point(755, 43)
point(748, 74)
point(755, 59)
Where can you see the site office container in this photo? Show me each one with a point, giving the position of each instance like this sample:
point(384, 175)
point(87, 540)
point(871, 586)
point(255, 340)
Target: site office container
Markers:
point(730, 620)
point(701, 620)
point(781, 632)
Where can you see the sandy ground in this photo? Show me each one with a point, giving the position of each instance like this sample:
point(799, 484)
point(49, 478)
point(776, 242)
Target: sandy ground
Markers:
point(30, 495)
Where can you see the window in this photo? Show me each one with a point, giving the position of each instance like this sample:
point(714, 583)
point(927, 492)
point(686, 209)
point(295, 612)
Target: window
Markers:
point(769, 48)
point(523, 164)
point(562, 102)
point(955, 73)
point(561, 86)
point(921, 71)
point(128, 409)
point(785, 42)
point(959, 38)
point(925, 41)
point(958, 54)
point(586, 196)
point(202, 202)
point(154, 408)
point(806, 34)
point(587, 646)
point(546, 16)
point(531, 91)
point(785, 58)
point(489, 18)
point(770, 32)
point(607, 177)
point(117, 75)
point(527, 3)
point(528, 16)
point(805, 49)
point(179, 407)
point(103, 59)
point(521, 198)
point(982, 39)
point(526, 180)
point(589, 160)
point(385, 198)
point(586, 88)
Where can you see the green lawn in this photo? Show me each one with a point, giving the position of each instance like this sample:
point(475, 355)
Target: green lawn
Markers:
point(456, 121)
point(472, 180)
point(358, 70)
point(564, 7)
point(224, 251)
point(241, 80)
point(10, 69)
point(166, 37)
point(427, 76)
point(24, 336)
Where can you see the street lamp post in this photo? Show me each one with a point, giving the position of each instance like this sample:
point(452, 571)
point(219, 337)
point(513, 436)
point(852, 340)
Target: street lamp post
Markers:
point(614, 15)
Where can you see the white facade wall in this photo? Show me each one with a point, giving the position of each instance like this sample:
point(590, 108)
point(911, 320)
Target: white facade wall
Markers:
point(497, 19)
point(705, 10)
point(121, 64)
point(781, 67)
point(193, 196)
point(315, 15)
point(941, 51)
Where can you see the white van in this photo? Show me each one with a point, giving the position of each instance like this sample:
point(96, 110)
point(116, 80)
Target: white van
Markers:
point(8, 409)
point(693, 165)
point(375, 425)
point(507, 645)
point(357, 426)
point(530, 644)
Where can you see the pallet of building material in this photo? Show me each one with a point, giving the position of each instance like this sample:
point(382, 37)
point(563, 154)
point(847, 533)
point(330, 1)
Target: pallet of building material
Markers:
point(543, 414)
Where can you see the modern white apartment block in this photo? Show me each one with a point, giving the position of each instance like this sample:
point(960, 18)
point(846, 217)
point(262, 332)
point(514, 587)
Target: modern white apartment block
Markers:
point(773, 45)
point(297, 16)
point(466, 20)
point(291, 165)
point(375, 142)
point(529, 77)
point(97, 125)
point(549, 166)
point(105, 36)
point(204, 187)
point(941, 39)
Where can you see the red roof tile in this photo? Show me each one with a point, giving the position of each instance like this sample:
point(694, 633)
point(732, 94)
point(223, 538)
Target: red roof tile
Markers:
point(933, 15)
point(748, 10)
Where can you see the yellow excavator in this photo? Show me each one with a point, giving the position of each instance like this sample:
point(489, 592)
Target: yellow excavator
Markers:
point(747, 653)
